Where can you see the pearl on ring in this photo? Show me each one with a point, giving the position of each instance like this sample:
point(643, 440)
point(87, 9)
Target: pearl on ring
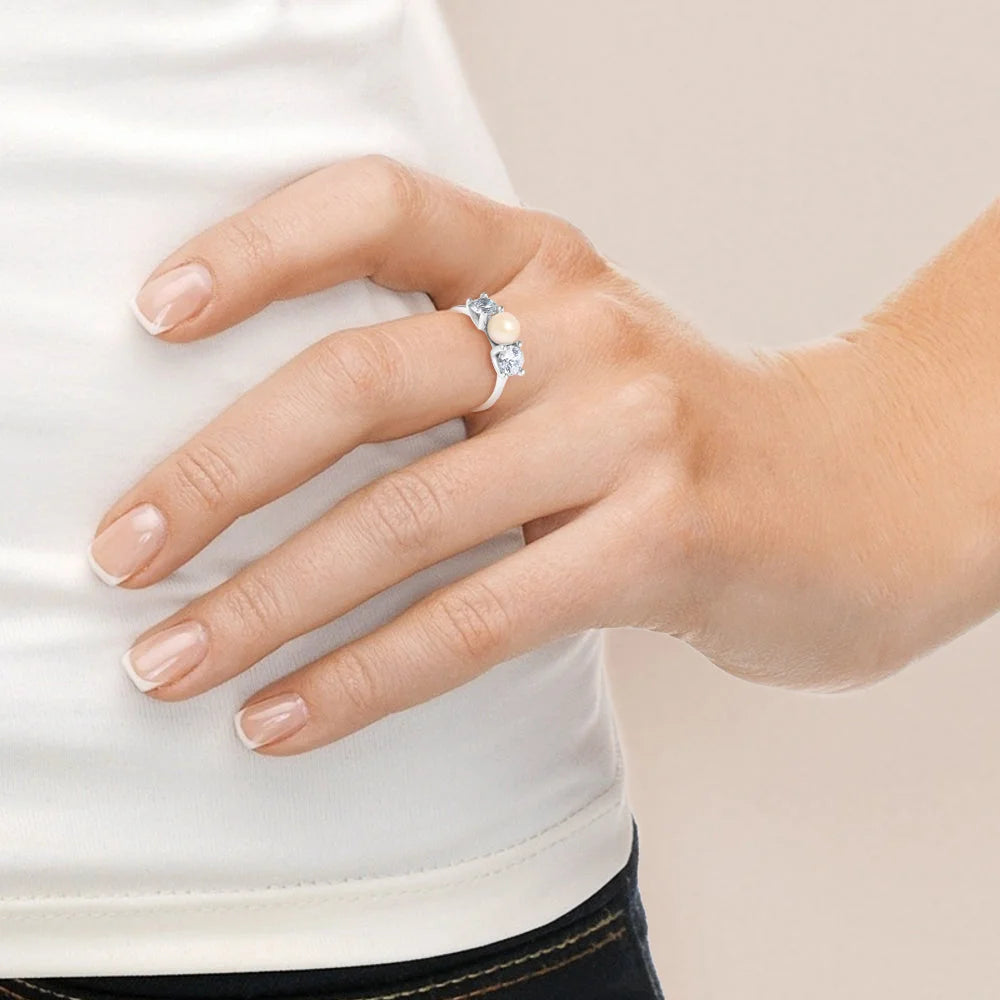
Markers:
point(503, 328)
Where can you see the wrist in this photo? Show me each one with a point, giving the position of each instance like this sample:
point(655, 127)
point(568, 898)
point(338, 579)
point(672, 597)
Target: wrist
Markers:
point(904, 474)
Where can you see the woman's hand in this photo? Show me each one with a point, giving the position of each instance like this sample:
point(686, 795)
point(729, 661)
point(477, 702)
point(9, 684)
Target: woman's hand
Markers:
point(761, 508)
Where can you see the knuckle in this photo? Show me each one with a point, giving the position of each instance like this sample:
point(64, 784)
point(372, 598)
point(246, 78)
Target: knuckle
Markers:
point(406, 508)
point(204, 474)
point(472, 620)
point(628, 319)
point(654, 448)
point(363, 365)
point(691, 531)
point(615, 314)
point(357, 681)
point(251, 241)
point(565, 250)
point(688, 538)
point(398, 185)
point(646, 404)
point(256, 604)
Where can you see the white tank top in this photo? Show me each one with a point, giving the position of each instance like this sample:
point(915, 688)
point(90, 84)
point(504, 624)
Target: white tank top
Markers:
point(138, 836)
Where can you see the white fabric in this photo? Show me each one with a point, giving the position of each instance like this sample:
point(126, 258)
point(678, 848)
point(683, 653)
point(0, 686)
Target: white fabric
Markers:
point(139, 836)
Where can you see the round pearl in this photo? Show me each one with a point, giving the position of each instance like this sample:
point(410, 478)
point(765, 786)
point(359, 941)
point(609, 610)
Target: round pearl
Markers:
point(503, 328)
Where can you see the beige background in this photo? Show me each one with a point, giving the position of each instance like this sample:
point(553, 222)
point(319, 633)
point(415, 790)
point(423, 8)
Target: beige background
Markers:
point(773, 170)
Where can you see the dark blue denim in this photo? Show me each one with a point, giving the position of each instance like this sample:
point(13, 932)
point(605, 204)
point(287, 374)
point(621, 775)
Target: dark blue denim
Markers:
point(597, 951)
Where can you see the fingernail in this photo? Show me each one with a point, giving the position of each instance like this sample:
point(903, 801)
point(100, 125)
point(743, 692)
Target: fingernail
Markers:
point(271, 719)
point(127, 544)
point(172, 297)
point(166, 655)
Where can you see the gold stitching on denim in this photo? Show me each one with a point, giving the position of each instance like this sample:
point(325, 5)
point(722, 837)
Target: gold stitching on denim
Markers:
point(10, 993)
point(571, 939)
point(40, 989)
point(545, 970)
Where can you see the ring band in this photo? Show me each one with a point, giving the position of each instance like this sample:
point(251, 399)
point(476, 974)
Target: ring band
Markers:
point(503, 332)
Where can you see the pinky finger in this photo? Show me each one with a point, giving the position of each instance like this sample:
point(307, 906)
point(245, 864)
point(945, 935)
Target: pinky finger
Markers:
point(555, 586)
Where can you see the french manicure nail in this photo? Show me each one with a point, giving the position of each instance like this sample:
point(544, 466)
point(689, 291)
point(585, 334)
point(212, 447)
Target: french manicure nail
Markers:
point(172, 297)
point(166, 655)
point(127, 544)
point(271, 719)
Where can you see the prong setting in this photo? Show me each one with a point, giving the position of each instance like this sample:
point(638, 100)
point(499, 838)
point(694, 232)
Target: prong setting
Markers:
point(508, 359)
point(506, 354)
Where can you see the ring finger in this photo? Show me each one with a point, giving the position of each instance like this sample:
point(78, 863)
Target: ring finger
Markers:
point(355, 386)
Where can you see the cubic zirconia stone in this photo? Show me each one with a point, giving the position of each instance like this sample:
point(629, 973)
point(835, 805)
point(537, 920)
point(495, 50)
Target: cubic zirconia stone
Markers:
point(482, 309)
point(510, 360)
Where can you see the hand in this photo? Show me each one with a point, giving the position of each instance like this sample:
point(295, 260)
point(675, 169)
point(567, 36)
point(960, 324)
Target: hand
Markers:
point(661, 482)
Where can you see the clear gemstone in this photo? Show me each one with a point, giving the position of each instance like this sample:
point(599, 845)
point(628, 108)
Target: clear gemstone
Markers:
point(482, 309)
point(510, 360)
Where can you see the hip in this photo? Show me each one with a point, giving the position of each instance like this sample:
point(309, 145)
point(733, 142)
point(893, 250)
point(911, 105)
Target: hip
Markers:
point(597, 950)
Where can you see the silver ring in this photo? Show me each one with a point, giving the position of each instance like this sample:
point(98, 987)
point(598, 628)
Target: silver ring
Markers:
point(503, 335)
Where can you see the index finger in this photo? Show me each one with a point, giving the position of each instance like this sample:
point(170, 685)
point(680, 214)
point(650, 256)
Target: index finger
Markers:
point(370, 217)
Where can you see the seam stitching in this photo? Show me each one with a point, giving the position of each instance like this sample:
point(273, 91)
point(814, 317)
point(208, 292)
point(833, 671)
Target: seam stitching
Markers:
point(501, 966)
point(41, 989)
point(318, 884)
point(38, 989)
point(10, 993)
point(615, 784)
point(544, 971)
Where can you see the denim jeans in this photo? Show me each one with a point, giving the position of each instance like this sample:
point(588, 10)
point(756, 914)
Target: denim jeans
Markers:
point(597, 951)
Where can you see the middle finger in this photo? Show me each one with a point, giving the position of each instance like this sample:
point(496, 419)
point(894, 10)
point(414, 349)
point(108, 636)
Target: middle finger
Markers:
point(440, 505)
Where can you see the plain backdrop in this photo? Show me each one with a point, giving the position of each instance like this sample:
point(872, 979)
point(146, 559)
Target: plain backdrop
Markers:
point(773, 170)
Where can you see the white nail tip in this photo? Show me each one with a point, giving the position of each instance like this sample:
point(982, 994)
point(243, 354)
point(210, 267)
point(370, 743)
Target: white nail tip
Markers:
point(147, 324)
point(244, 739)
point(140, 682)
point(101, 573)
